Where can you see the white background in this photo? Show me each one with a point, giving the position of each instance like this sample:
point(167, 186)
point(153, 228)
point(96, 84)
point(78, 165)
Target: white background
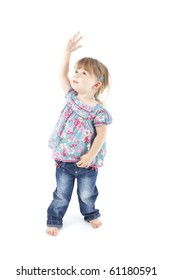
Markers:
point(134, 39)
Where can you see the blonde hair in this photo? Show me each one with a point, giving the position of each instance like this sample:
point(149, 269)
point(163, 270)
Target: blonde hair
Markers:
point(97, 68)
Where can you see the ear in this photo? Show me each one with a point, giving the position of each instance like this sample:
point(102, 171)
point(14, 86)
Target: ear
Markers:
point(97, 85)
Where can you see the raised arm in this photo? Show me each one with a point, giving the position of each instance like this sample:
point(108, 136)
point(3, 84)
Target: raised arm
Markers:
point(72, 45)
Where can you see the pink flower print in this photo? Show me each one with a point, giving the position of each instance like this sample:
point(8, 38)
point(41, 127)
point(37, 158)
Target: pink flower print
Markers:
point(68, 131)
point(77, 123)
point(73, 145)
point(67, 113)
point(64, 150)
point(71, 139)
point(90, 116)
point(79, 150)
point(87, 139)
point(73, 157)
point(64, 154)
point(58, 132)
point(87, 136)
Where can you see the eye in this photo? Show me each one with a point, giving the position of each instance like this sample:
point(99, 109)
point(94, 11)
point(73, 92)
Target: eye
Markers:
point(76, 71)
point(84, 73)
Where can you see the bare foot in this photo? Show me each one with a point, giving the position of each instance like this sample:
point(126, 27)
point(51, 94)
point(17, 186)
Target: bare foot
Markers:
point(53, 231)
point(95, 223)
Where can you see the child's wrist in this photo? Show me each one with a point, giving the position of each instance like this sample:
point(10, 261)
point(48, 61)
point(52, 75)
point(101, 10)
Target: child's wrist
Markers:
point(90, 156)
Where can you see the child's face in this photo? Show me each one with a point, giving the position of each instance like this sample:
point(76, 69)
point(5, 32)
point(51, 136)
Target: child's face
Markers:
point(83, 81)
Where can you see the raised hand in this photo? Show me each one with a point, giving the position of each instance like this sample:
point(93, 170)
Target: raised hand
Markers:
point(72, 44)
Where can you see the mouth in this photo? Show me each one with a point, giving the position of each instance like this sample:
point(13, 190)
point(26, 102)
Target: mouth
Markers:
point(75, 82)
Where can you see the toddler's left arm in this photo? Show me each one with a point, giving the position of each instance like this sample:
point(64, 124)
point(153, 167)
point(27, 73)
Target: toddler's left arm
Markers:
point(99, 140)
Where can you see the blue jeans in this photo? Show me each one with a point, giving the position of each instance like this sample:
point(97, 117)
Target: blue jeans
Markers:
point(66, 173)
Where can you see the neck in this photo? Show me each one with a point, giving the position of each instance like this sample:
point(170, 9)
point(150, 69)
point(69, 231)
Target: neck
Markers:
point(89, 100)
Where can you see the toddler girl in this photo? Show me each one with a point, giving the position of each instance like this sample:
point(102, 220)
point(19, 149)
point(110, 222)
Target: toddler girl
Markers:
point(78, 139)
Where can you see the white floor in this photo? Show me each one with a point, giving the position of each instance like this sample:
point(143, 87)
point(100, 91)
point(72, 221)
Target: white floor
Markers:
point(136, 232)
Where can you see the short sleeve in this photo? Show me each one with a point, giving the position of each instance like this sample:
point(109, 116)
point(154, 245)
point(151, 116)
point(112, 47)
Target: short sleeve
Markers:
point(102, 117)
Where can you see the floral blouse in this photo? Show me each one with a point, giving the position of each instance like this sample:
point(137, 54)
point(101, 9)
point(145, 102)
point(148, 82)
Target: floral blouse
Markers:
point(75, 130)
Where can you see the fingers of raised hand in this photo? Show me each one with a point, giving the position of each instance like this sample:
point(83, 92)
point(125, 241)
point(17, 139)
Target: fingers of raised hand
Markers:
point(76, 38)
